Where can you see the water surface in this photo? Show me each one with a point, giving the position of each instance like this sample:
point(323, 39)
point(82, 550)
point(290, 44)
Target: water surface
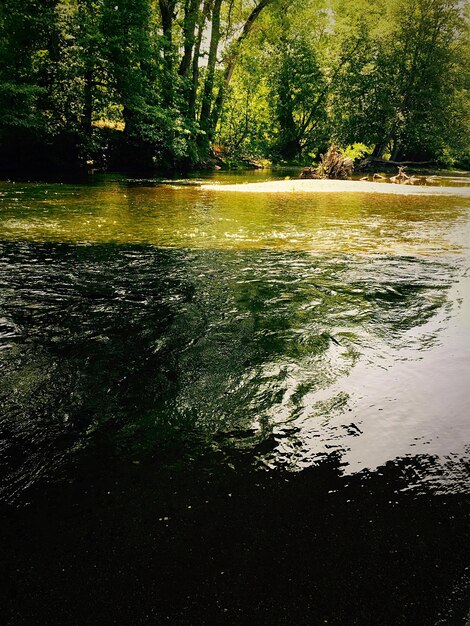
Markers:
point(315, 322)
point(146, 325)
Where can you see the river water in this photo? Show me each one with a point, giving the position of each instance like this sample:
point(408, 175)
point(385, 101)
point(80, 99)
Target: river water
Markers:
point(166, 331)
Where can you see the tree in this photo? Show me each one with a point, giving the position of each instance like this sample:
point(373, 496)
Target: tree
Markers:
point(157, 83)
point(25, 30)
point(398, 92)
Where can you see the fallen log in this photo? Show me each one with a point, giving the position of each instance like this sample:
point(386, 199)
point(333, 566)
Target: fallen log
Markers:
point(371, 162)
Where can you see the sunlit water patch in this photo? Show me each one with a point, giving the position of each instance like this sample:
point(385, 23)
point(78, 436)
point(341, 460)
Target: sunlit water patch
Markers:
point(188, 217)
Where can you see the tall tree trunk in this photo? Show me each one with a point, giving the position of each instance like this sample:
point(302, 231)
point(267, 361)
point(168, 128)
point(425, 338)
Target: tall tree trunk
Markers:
point(380, 148)
point(232, 61)
point(289, 145)
point(395, 150)
point(189, 27)
point(206, 104)
point(88, 102)
point(167, 8)
point(195, 63)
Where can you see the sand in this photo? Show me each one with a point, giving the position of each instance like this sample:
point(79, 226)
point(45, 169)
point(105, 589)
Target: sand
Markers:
point(338, 186)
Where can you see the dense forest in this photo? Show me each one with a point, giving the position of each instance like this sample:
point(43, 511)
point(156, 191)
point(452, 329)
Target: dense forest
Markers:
point(179, 84)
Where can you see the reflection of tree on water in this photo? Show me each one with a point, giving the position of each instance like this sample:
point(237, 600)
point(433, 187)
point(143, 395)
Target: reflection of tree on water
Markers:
point(135, 347)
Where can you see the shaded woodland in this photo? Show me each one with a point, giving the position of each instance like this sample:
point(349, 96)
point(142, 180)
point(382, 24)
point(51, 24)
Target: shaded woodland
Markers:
point(174, 85)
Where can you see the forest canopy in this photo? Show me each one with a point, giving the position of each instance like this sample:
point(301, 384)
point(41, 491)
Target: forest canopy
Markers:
point(172, 84)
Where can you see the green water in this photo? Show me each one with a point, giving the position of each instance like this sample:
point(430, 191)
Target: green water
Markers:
point(134, 314)
point(184, 216)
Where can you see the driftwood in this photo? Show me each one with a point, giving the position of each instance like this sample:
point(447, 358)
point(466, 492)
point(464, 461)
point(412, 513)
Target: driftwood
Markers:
point(375, 176)
point(310, 172)
point(333, 165)
point(401, 177)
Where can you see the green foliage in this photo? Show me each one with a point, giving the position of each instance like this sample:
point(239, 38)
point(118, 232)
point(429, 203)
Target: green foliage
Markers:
point(18, 106)
point(392, 75)
point(246, 124)
point(281, 79)
point(356, 151)
point(403, 85)
point(24, 33)
point(297, 85)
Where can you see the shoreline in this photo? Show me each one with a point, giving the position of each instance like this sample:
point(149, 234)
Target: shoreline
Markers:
point(337, 186)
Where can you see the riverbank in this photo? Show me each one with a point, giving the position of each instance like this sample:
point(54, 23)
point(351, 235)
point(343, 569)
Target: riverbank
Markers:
point(338, 186)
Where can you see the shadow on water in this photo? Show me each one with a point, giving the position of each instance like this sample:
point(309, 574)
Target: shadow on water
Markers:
point(138, 544)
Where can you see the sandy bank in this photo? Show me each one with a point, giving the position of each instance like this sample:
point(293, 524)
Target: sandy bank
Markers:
point(337, 186)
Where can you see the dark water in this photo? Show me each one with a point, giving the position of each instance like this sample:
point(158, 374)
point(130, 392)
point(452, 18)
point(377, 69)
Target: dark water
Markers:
point(233, 409)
